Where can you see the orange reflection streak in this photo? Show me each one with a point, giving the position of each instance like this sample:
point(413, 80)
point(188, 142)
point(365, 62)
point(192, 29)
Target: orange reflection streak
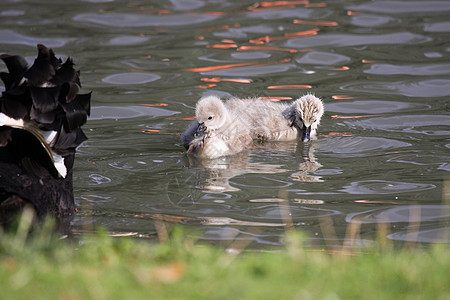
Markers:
point(222, 46)
point(343, 68)
point(316, 23)
point(353, 117)
point(228, 41)
point(302, 33)
point(152, 130)
point(282, 3)
point(288, 35)
point(222, 67)
point(370, 201)
point(352, 13)
point(365, 61)
point(199, 37)
point(232, 66)
point(289, 87)
point(164, 11)
point(253, 48)
point(332, 134)
point(316, 5)
point(218, 79)
point(206, 86)
point(215, 13)
point(155, 104)
point(342, 97)
point(275, 99)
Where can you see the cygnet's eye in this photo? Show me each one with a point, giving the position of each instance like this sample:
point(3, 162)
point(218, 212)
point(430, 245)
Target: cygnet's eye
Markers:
point(210, 118)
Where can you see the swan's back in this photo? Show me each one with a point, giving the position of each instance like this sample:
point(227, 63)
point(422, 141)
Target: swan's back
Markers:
point(265, 118)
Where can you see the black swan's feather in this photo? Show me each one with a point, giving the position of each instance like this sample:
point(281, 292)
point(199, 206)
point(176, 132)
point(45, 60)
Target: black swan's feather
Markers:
point(43, 69)
point(41, 114)
point(16, 65)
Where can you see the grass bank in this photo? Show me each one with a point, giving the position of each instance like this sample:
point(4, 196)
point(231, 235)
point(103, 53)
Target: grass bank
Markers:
point(41, 266)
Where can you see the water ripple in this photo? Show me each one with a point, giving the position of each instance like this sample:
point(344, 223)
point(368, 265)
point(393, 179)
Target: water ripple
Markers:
point(261, 182)
point(244, 32)
point(131, 165)
point(131, 78)
point(368, 20)
point(358, 146)
point(403, 7)
point(273, 212)
point(385, 187)
point(126, 112)
point(401, 214)
point(423, 88)
point(372, 106)
point(187, 5)
point(323, 58)
point(437, 27)
point(436, 235)
point(12, 13)
point(405, 123)
point(415, 70)
point(342, 40)
point(127, 40)
point(250, 55)
point(420, 159)
point(10, 37)
point(97, 179)
point(228, 233)
point(135, 20)
point(273, 14)
point(252, 71)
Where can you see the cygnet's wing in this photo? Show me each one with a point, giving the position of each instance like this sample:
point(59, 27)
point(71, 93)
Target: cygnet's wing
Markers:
point(264, 118)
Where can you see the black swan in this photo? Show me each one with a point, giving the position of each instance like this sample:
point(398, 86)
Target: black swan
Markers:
point(41, 114)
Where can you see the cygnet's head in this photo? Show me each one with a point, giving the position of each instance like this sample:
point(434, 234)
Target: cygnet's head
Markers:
point(305, 113)
point(211, 113)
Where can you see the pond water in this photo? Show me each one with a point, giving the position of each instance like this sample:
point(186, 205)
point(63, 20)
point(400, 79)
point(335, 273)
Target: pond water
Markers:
point(382, 69)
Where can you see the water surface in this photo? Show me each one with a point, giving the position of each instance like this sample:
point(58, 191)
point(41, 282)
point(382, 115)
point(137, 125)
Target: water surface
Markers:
point(382, 156)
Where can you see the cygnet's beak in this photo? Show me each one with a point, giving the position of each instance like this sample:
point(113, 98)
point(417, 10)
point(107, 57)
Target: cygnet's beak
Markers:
point(200, 130)
point(306, 133)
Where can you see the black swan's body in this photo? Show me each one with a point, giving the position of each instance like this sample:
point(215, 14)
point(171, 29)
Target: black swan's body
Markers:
point(41, 114)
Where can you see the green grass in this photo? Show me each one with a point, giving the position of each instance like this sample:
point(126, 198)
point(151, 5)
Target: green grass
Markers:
point(41, 266)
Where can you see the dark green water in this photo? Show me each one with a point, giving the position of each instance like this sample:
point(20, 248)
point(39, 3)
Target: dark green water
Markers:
point(382, 69)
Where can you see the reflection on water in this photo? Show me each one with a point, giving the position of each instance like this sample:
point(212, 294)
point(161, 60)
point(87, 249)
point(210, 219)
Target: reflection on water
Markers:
point(308, 165)
point(382, 150)
point(219, 171)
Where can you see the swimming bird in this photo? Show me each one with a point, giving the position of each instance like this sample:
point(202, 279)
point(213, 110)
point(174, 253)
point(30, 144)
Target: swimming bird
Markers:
point(215, 132)
point(41, 114)
point(270, 121)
